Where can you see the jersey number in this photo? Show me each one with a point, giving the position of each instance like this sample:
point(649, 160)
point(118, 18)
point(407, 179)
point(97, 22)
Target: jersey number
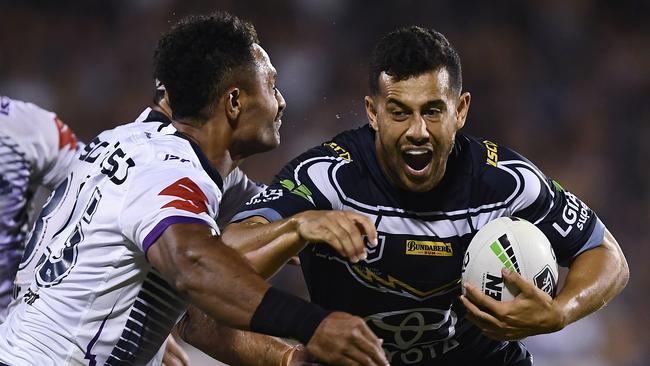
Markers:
point(55, 265)
point(38, 231)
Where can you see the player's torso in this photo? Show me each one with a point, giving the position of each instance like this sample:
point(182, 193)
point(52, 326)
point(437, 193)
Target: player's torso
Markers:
point(407, 289)
point(90, 284)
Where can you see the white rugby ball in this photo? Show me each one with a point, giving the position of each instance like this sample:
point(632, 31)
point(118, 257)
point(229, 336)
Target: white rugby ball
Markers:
point(513, 243)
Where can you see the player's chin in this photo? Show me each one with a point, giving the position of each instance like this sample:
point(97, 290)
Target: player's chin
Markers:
point(418, 180)
point(418, 186)
point(270, 141)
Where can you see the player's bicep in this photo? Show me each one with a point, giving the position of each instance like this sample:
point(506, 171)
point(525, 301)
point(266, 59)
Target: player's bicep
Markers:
point(176, 247)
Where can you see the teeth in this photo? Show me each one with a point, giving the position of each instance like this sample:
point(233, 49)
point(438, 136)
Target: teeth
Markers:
point(417, 152)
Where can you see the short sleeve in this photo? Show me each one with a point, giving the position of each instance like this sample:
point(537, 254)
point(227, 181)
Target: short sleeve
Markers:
point(237, 189)
point(301, 185)
point(62, 154)
point(569, 224)
point(159, 197)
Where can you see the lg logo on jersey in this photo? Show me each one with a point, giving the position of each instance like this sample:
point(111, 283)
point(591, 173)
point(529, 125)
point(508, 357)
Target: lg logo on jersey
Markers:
point(575, 213)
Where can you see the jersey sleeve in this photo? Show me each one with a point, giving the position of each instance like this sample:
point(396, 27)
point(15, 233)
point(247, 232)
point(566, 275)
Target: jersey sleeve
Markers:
point(237, 189)
point(157, 198)
point(62, 152)
point(301, 185)
point(569, 224)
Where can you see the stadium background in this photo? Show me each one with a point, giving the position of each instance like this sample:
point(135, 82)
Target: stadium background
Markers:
point(566, 82)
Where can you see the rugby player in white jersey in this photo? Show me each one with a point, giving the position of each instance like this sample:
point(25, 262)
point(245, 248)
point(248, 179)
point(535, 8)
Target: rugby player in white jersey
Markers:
point(138, 243)
point(36, 149)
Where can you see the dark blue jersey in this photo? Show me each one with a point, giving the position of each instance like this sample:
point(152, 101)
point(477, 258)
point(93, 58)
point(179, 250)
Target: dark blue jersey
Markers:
point(407, 289)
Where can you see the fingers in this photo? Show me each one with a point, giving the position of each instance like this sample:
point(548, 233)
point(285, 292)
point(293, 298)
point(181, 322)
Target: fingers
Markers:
point(372, 346)
point(513, 278)
point(489, 325)
point(482, 319)
point(342, 230)
point(483, 301)
point(174, 354)
point(354, 240)
point(343, 339)
point(367, 227)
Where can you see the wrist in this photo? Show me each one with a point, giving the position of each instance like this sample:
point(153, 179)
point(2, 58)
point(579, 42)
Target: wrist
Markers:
point(284, 315)
point(289, 353)
point(560, 318)
point(293, 227)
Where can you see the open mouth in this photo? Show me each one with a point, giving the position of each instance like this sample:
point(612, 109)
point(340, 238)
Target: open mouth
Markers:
point(417, 159)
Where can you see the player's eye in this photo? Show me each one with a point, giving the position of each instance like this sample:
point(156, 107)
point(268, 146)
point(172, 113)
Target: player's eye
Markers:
point(432, 112)
point(399, 115)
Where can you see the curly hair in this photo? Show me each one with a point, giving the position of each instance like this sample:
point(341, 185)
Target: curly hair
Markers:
point(198, 56)
point(412, 51)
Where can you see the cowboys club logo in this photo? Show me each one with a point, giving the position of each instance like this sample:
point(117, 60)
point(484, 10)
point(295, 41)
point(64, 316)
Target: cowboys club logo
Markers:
point(545, 281)
point(374, 254)
point(413, 335)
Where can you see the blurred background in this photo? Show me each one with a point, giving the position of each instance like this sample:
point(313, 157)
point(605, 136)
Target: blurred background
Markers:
point(565, 82)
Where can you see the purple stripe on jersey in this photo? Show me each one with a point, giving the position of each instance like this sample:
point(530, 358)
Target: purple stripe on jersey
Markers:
point(89, 356)
point(155, 233)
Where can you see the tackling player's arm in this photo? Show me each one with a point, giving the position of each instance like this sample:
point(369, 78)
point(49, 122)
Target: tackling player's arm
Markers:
point(594, 278)
point(217, 280)
point(233, 346)
point(268, 246)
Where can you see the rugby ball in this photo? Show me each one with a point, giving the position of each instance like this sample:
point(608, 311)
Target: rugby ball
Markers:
point(513, 243)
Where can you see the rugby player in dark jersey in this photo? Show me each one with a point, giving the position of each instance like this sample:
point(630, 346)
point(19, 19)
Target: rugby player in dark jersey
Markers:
point(428, 189)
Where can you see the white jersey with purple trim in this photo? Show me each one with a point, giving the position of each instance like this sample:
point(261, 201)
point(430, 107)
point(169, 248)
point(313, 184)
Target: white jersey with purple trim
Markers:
point(94, 298)
point(36, 149)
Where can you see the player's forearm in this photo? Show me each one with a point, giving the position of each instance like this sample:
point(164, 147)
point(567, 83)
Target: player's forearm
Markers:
point(219, 281)
point(594, 278)
point(268, 246)
point(228, 345)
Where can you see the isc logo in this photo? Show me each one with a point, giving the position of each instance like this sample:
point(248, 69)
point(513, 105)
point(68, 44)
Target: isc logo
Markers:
point(492, 156)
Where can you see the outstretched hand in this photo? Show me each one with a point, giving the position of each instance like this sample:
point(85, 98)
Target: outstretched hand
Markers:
point(531, 312)
point(342, 230)
point(344, 339)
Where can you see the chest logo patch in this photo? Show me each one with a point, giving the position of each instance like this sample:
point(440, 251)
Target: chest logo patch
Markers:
point(429, 248)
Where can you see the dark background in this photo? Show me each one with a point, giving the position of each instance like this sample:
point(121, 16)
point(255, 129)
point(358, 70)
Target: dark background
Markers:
point(565, 82)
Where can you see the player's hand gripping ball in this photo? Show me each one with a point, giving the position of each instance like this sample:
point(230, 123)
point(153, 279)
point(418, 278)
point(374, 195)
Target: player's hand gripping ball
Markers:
point(517, 245)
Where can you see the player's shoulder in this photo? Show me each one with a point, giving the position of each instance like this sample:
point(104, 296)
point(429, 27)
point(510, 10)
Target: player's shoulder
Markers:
point(20, 111)
point(346, 148)
point(152, 148)
point(36, 134)
point(499, 171)
point(352, 144)
point(27, 123)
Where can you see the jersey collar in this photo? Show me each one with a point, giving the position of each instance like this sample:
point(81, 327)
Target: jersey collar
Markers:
point(155, 116)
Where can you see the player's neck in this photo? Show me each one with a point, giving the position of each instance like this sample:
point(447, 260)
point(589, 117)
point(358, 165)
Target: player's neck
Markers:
point(214, 140)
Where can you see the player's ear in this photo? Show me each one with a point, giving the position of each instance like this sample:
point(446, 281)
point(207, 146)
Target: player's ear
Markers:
point(233, 103)
point(371, 111)
point(462, 109)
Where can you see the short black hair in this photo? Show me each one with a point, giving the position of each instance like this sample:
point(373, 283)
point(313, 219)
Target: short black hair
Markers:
point(196, 58)
point(412, 51)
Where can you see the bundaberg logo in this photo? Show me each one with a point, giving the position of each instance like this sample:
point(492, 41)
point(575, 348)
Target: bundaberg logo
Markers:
point(429, 248)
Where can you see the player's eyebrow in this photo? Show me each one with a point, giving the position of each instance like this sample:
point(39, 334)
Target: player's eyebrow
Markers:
point(398, 103)
point(437, 103)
